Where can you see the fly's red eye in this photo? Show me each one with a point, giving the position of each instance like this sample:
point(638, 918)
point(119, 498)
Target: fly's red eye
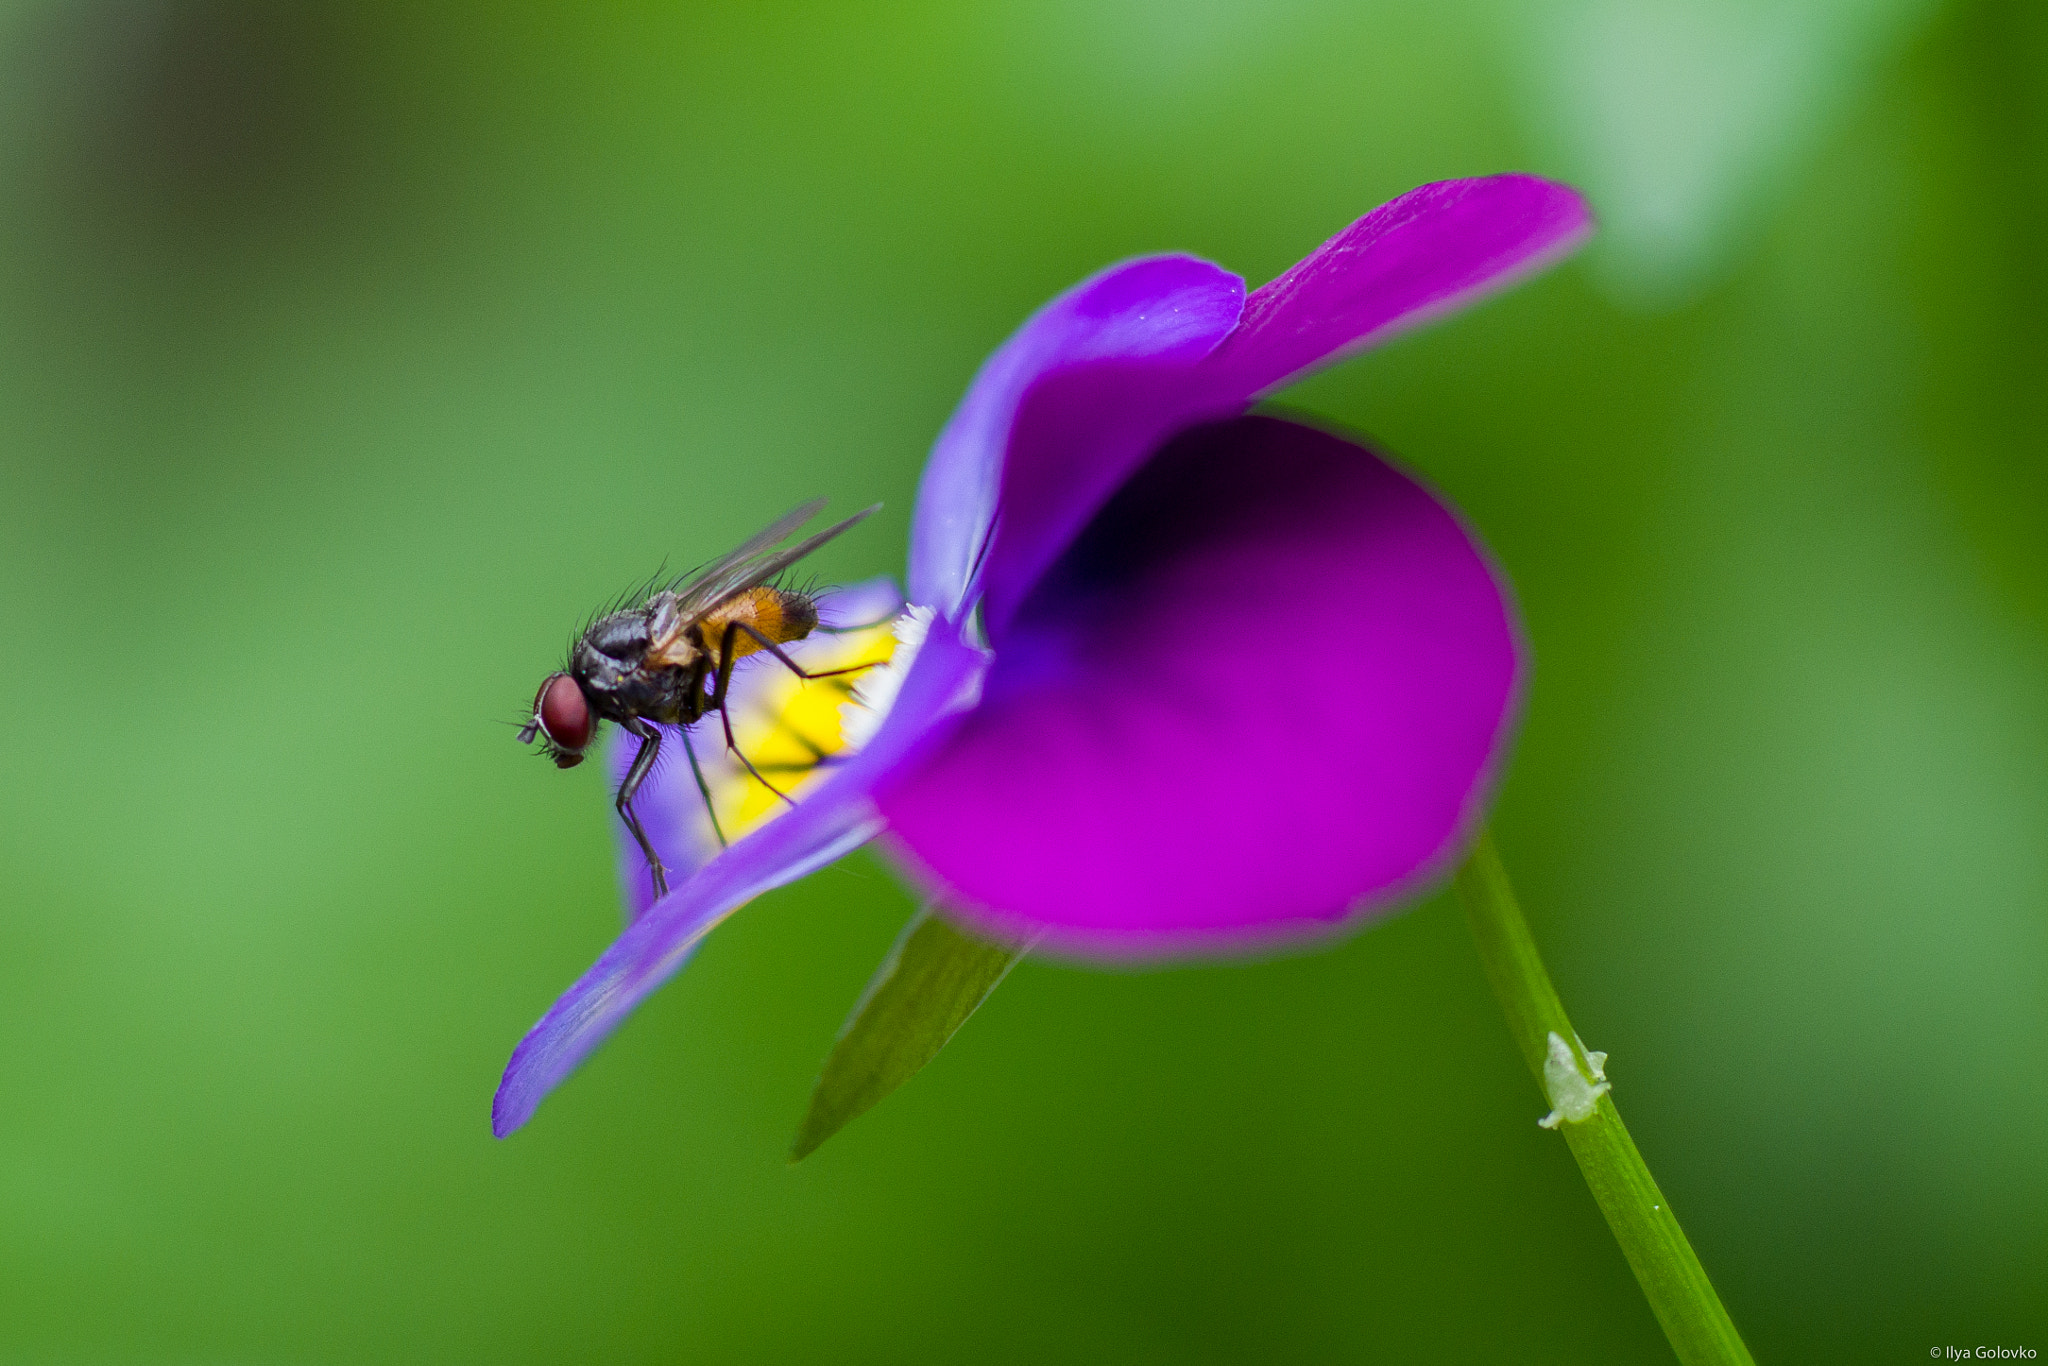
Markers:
point(565, 716)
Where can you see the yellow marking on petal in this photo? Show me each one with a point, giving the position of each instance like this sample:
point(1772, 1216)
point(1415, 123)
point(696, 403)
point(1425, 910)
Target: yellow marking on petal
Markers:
point(788, 726)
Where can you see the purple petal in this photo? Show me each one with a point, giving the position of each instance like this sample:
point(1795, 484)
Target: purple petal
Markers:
point(1162, 307)
point(867, 603)
point(1415, 258)
point(669, 804)
point(1080, 431)
point(656, 945)
point(839, 817)
point(1265, 691)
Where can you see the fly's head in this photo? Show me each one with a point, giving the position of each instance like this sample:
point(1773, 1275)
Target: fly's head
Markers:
point(562, 717)
point(603, 681)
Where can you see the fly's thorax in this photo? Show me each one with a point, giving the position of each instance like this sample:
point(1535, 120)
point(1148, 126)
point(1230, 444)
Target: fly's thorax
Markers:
point(610, 665)
point(622, 636)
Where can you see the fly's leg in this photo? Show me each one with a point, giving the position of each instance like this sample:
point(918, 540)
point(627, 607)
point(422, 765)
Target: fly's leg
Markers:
point(694, 703)
point(799, 670)
point(823, 629)
point(693, 697)
point(710, 807)
point(643, 761)
point(725, 663)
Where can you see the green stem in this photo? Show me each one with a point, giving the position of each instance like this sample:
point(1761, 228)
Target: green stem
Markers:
point(1672, 1279)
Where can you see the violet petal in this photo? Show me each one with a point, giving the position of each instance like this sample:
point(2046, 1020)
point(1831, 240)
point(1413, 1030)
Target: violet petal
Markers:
point(839, 817)
point(1173, 307)
point(1265, 691)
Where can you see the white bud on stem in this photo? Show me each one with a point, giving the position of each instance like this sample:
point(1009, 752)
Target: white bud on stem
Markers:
point(1572, 1096)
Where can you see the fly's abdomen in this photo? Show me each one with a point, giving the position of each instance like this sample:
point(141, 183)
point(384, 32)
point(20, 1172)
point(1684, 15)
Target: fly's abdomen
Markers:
point(799, 614)
point(779, 615)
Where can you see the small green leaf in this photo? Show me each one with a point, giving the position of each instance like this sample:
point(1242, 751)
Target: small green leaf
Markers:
point(925, 990)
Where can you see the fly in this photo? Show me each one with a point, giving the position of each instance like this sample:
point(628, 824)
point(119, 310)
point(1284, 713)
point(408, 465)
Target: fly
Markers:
point(670, 660)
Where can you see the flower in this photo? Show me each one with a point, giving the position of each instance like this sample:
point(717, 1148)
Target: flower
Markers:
point(1185, 679)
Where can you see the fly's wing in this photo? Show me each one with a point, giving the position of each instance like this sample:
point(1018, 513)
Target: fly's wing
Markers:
point(735, 559)
point(752, 564)
point(748, 567)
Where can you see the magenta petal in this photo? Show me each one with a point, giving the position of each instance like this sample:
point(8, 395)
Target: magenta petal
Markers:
point(1078, 435)
point(838, 818)
point(1266, 690)
point(1432, 250)
point(1079, 431)
point(1162, 307)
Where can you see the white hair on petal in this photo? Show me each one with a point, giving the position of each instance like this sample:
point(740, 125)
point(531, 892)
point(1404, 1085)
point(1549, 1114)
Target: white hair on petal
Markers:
point(875, 694)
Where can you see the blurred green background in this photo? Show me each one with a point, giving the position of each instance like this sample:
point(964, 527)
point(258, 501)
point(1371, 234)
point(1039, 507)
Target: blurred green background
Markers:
point(349, 354)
